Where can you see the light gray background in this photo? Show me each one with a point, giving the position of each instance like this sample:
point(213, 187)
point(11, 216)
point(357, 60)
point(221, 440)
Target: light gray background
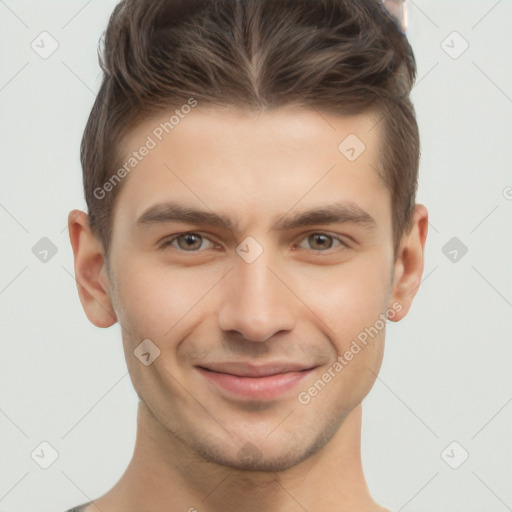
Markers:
point(446, 373)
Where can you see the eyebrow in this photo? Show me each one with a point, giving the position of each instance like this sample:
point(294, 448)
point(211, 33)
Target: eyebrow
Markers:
point(338, 213)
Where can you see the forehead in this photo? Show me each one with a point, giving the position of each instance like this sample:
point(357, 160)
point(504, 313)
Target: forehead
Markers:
point(277, 129)
point(250, 159)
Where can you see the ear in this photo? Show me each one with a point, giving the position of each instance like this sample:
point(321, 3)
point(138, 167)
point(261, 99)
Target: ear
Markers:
point(91, 277)
point(409, 263)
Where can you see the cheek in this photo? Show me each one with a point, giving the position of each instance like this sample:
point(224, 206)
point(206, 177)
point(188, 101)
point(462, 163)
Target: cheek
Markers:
point(154, 298)
point(349, 297)
point(353, 304)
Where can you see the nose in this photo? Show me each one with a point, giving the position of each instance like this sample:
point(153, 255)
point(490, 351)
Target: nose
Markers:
point(256, 300)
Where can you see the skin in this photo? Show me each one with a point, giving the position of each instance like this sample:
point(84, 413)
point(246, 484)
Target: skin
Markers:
point(303, 299)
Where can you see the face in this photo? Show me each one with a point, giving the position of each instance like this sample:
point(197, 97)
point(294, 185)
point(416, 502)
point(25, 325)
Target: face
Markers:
point(257, 259)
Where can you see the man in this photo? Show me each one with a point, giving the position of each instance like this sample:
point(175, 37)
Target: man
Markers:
point(250, 169)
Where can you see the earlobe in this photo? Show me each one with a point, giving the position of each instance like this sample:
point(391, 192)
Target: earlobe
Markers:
point(90, 275)
point(409, 263)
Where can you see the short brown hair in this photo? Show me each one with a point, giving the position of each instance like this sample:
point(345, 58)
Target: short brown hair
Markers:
point(338, 56)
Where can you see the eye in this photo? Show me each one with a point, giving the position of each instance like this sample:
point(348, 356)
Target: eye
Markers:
point(194, 242)
point(321, 242)
point(187, 242)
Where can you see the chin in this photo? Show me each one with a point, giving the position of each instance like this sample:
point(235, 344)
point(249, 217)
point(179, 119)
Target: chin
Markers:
point(272, 458)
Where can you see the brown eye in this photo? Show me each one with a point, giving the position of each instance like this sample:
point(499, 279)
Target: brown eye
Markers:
point(187, 242)
point(322, 242)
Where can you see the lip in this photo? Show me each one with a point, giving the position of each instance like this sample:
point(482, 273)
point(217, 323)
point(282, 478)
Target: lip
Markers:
point(255, 382)
point(252, 370)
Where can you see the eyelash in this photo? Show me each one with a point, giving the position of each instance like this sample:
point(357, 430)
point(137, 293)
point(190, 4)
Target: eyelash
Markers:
point(168, 242)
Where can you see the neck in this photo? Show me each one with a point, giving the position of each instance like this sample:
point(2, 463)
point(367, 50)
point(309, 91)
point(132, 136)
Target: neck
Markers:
point(164, 471)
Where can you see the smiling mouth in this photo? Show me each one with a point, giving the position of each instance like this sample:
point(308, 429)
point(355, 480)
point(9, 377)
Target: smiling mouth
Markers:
point(250, 382)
